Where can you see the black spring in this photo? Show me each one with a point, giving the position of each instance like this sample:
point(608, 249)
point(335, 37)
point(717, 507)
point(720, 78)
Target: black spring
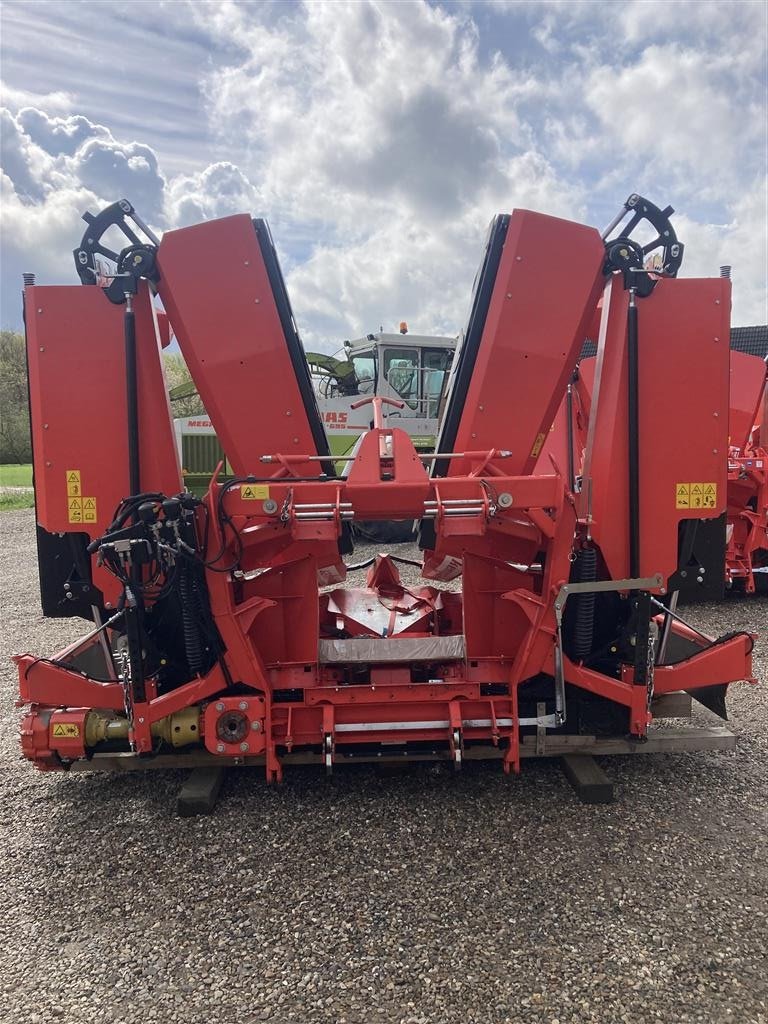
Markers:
point(584, 618)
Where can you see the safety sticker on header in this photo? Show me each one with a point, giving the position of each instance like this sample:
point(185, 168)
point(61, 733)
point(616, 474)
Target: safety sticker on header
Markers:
point(80, 509)
point(696, 495)
point(254, 492)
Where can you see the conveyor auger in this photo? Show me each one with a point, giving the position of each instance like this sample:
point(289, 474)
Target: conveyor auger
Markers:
point(222, 629)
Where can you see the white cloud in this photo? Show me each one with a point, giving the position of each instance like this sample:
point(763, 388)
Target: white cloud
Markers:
point(381, 129)
point(742, 243)
point(380, 138)
point(15, 98)
point(55, 168)
point(676, 107)
point(218, 191)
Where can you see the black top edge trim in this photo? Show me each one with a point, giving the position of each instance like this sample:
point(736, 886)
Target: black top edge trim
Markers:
point(466, 355)
point(293, 342)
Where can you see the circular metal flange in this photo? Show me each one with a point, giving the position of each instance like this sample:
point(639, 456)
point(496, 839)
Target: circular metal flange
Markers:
point(232, 726)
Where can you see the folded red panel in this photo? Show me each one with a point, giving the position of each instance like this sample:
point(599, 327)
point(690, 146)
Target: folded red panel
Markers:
point(75, 350)
point(221, 285)
point(534, 301)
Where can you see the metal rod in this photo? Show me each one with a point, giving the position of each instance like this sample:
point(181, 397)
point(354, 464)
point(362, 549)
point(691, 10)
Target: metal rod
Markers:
point(633, 431)
point(455, 501)
point(327, 504)
point(666, 629)
point(678, 618)
point(132, 397)
point(105, 648)
point(496, 453)
point(101, 626)
point(467, 723)
point(569, 428)
point(147, 231)
point(619, 217)
point(424, 456)
point(322, 516)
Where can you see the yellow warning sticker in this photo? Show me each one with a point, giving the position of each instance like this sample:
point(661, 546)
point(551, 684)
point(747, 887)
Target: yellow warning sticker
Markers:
point(75, 509)
point(254, 492)
point(538, 444)
point(74, 496)
point(696, 495)
point(67, 730)
point(89, 510)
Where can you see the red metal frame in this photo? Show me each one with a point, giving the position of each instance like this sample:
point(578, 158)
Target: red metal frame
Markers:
point(455, 667)
point(747, 536)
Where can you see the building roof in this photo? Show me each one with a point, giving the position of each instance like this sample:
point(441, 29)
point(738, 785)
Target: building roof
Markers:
point(752, 340)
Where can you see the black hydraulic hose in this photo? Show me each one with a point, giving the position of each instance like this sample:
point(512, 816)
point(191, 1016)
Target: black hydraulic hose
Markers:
point(132, 397)
point(633, 425)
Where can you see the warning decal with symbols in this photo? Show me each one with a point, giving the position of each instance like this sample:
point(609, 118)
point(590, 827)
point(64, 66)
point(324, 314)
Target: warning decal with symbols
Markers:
point(66, 729)
point(254, 492)
point(80, 509)
point(73, 482)
point(696, 495)
point(538, 444)
point(89, 510)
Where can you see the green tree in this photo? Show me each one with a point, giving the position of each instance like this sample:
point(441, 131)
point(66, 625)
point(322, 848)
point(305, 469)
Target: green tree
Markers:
point(15, 444)
point(176, 372)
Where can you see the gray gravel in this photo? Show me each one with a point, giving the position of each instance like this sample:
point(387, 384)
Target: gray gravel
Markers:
point(372, 899)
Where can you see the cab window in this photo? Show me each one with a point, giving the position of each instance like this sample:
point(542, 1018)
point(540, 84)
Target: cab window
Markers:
point(436, 364)
point(401, 370)
point(365, 371)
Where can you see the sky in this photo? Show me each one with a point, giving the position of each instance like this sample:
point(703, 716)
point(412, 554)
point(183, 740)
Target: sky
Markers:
point(379, 138)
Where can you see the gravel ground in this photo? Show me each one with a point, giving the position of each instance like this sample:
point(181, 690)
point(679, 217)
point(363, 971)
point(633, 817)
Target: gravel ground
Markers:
point(416, 898)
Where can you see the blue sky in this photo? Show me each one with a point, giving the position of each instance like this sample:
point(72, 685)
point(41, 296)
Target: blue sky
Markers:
point(378, 138)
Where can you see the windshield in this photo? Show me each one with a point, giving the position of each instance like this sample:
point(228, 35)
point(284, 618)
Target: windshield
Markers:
point(365, 372)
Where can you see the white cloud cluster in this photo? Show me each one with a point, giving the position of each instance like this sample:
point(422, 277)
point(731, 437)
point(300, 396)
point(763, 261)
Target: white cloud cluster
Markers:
point(55, 167)
point(396, 131)
point(382, 129)
point(380, 138)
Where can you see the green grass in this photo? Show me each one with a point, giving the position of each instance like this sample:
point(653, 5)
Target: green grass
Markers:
point(16, 476)
point(9, 502)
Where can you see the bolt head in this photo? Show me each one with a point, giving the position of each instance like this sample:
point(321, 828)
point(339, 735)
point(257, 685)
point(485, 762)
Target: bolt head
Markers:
point(220, 748)
point(256, 726)
point(219, 706)
point(244, 747)
point(243, 705)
